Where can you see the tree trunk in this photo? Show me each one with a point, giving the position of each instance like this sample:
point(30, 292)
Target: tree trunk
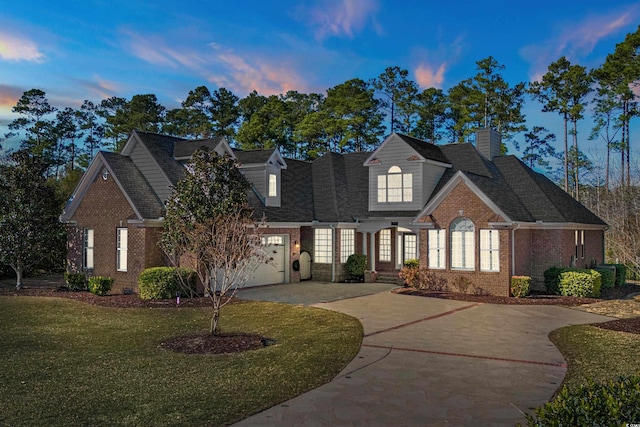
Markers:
point(577, 159)
point(566, 155)
point(214, 321)
point(19, 273)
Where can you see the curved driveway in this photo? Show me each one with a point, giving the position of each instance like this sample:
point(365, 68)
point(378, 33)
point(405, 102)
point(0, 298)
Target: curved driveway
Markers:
point(434, 362)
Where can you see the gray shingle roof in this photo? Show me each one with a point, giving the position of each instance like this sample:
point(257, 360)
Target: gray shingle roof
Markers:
point(134, 185)
point(161, 148)
point(426, 149)
point(246, 157)
point(182, 149)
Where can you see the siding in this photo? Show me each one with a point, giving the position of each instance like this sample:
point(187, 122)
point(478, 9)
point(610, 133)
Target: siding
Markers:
point(395, 153)
point(257, 177)
point(431, 175)
point(151, 171)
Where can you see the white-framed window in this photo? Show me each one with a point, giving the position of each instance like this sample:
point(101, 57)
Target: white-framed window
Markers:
point(121, 249)
point(462, 244)
point(347, 243)
point(395, 186)
point(489, 250)
point(273, 185)
point(87, 253)
point(579, 244)
point(273, 240)
point(437, 249)
point(385, 245)
point(322, 244)
point(410, 247)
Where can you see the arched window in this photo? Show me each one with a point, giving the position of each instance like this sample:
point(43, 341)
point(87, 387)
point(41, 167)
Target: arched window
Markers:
point(462, 244)
point(395, 186)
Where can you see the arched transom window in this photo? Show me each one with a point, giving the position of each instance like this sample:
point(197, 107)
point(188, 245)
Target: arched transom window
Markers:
point(395, 186)
point(462, 244)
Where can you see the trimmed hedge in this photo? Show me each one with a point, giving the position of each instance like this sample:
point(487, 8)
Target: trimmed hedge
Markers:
point(552, 279)
point(75, 281)
point(621, 274)
point(100, 285)
point(580, 283)
point(608, 277)
point(165, 283)
point(520, 286)
point(614, 403)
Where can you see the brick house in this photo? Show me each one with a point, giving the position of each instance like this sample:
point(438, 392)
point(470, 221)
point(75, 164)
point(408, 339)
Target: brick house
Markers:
point(463, 211)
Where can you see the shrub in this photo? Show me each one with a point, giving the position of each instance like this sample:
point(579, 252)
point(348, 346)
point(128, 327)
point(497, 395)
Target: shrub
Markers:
point(621, 274)
point(422, 278)
point(580, 283)
point(412, 263)
point(410, 273)
point(75, 281)
point(463, 284)
point(100, 285)
point(608, 277)
point(166, 282)
point(552, 279)
point(356, 265)
point(616, 402)
point(520, 286)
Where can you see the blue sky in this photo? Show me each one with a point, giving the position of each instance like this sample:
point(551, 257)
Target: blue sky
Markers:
point(76, 50)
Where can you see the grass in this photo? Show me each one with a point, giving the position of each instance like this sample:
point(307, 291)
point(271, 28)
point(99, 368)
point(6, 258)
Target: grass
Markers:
point(68, 363)
point(596, 353)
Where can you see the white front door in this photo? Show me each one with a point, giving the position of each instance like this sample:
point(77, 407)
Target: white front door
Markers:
point(272, 271)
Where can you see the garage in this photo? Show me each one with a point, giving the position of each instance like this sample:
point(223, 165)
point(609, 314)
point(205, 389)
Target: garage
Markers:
point(273, 271)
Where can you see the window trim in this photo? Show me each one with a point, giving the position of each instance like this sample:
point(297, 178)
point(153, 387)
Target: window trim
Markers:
point(402, 190)
point(384, 245)
point(122, 252)
point(323, 245)
point(440, 249)
point(490, 251)
point(88, 250)
point(467, 242)
point(347, 243)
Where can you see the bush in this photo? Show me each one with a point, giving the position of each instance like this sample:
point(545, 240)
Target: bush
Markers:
point(422, 278)
point(100, 285)
point(412, 263)
point(552, 279)
point(356, 265)
point(165, 282)
point(75, 281)
point(612, 403)
point(580, 283)
point(621, 274)
point(608, 277)
point(520, 286)
point(463, 284)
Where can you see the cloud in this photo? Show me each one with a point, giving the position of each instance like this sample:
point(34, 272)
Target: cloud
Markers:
point(16, 48)
point(101, 87)
point(427, 76)
point(343, 17)
point(268, 77)
point(9, 96)
point(577, 40)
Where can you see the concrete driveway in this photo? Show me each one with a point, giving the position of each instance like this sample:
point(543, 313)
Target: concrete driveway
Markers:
point(433, 362)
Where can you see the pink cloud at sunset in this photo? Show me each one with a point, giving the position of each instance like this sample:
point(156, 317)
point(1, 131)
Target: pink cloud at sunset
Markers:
point(343, 17)
point(16, 48)
point(428, 76)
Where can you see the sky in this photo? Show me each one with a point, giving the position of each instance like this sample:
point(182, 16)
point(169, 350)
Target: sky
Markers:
point(86, 49)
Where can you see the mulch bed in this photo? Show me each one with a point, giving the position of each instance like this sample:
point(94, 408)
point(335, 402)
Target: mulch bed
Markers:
point(206, 343)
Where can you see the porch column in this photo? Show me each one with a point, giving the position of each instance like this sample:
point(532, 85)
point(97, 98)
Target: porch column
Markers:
point(372, 251)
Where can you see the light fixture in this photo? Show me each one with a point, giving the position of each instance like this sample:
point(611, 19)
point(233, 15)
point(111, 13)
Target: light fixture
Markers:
point(296, 244)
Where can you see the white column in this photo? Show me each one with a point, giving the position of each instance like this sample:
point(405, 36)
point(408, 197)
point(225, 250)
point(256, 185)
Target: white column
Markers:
point(372, 251)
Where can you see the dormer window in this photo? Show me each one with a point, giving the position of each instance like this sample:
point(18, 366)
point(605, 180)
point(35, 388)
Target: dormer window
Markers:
point(273, 185)
point(395, 186)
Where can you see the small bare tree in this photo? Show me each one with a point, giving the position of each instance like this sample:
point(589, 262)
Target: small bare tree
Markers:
point(209, 225)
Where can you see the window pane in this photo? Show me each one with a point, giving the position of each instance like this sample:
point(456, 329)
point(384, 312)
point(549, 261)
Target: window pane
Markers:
point(88, 249)
point(382, 188)
point(407, 184)
point(436, 248)
point(323, 249)
point(273, 189)
point(410, 247)
point(121, 256)
point(462, 244)
point(489, 250)
point(385, 245)
point(347, 243)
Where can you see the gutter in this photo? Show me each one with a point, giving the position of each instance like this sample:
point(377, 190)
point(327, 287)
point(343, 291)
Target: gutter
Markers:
point(513, 249)
point(333, 251)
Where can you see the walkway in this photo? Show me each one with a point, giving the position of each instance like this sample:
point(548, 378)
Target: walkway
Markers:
point(433, 362)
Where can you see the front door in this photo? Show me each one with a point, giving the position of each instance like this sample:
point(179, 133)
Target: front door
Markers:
point(406, 248)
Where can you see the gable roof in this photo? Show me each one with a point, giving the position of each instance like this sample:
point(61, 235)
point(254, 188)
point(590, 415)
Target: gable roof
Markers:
point(426, 150)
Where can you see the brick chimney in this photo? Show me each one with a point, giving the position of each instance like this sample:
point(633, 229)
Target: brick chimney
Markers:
point(488, 143)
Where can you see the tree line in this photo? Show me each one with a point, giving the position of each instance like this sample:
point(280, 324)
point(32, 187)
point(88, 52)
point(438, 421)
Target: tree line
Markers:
point(355, 116)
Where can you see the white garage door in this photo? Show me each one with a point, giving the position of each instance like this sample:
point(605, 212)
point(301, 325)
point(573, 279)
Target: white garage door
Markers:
point(273, 271)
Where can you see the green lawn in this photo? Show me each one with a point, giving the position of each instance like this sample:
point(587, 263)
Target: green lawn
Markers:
point(68, 363)
point(597, 353)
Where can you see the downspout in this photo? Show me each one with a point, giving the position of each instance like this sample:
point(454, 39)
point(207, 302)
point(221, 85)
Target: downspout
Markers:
point(333, 251)
point(513, 249)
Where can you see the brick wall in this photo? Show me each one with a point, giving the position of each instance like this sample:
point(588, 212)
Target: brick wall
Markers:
point(105, 209)
point(463, 199)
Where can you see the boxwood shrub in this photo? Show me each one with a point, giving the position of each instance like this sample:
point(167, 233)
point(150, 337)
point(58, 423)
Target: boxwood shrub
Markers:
point(164, 282)
point(356, 265)
point(520, 286)
point(100, 285)
point(621, 274)
point(614, 403)
point(580, 283)
point(75, 281)
point(608, 277)
point(552, 279)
